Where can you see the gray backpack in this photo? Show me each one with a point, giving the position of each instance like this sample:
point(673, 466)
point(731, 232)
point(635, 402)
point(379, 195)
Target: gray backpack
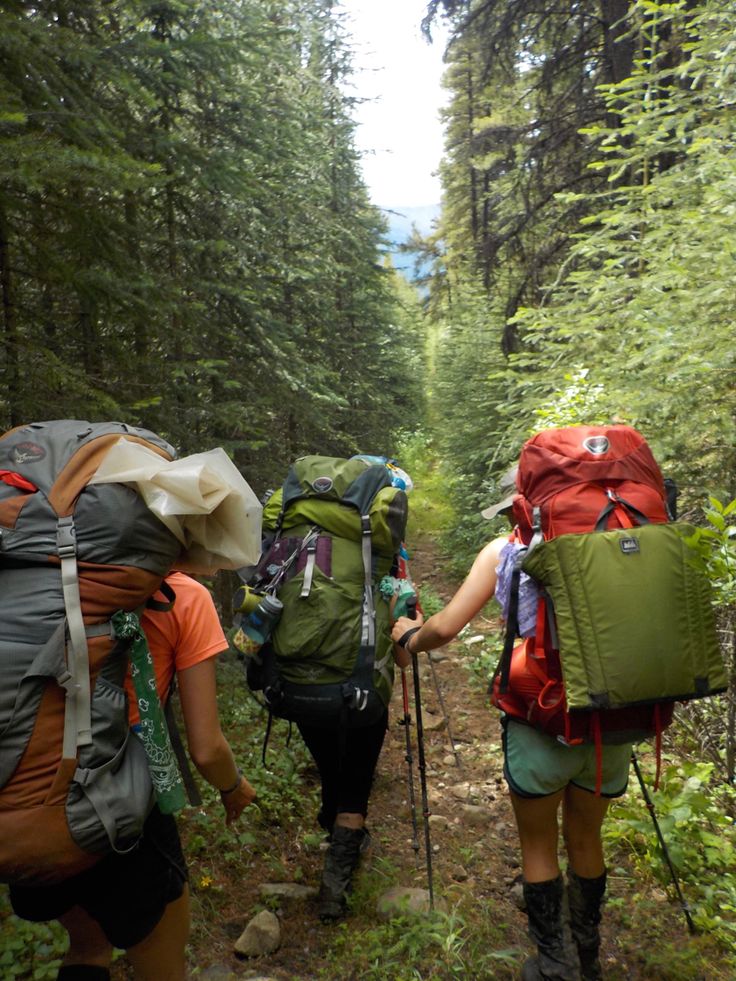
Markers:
point(74, 781)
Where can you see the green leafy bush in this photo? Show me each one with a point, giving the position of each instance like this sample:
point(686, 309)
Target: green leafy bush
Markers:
point(698, 829)
point(28, 950)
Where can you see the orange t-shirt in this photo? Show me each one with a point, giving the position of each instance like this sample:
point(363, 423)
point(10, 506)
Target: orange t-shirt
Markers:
point(184, 636)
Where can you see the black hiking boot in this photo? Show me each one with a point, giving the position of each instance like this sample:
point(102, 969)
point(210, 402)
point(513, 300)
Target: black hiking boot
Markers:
point(341, 860)
point(82, 972)
point(585, 897)
point(546, 909)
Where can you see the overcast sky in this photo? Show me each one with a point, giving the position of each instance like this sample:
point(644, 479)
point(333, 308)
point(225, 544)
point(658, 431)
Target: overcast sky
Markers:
point(399, 132)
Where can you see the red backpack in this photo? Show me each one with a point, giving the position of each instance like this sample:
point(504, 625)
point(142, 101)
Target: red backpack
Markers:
point(574, 480)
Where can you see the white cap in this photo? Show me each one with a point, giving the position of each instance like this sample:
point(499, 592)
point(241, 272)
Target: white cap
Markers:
point(506, 483)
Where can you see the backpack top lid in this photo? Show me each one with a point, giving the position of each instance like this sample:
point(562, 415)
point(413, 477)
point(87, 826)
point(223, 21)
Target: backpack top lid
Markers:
point(39, 451)
point(45, 468)
point(399, 478)
point(335, 495)
point(554, 459)
point(353, 482)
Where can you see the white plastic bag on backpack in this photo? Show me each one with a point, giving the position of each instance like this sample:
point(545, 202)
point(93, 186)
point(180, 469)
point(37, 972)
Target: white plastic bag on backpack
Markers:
point(203, 499)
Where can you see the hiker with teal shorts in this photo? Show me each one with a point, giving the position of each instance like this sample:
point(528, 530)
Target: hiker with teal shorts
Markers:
point(547, 765)
point(608, 625)
point(542, 775)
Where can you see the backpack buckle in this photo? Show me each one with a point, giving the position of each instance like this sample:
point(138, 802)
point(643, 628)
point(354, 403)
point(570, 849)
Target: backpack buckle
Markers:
point(66, 538)
point(360, 699)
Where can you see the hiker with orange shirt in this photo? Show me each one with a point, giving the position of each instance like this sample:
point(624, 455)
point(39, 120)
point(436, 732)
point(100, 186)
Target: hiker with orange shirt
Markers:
point(139, 901)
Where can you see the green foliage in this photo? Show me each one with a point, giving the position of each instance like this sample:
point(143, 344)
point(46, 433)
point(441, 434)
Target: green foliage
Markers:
point(482, 658)
point(716, 546)
point(420, 948)
point(695, 817)
point(429, 506)
point(577, 404)
point(430, 600)
point(713, 726)
point(280, 784)
point(585, 273)
point(185, 238)
point(641, 297)
point(28, 950)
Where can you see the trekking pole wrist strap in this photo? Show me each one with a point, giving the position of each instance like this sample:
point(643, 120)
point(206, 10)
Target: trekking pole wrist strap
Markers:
point(230, 790)
point(404, 639)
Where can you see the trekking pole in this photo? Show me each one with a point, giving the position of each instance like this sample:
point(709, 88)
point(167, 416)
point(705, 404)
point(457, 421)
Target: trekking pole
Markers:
point(410, 765)
point(445, 716)
point(422, 773)
point(650, 807)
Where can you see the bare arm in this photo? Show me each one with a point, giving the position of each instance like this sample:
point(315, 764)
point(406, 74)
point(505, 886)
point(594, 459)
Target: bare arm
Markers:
point(208, 748)
point(478, 587)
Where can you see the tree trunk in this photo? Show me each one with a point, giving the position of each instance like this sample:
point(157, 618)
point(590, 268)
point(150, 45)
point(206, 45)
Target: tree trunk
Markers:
point(618, 46)
point(10, 327)
point(469, 140)
point(731, 696)
point(140, 333)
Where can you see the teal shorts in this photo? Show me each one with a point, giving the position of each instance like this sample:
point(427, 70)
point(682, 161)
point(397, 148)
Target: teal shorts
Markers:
point(537, 764)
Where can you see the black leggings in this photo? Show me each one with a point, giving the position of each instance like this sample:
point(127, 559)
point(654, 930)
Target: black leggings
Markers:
point(346, 763)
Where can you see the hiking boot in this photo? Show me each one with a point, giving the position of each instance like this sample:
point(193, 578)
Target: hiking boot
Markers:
point(341, 860)
point(585, 897)
point(82, 972)
point(557, 957)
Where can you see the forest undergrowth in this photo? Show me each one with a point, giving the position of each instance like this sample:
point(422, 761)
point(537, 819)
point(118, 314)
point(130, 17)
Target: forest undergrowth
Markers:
point(477, 930)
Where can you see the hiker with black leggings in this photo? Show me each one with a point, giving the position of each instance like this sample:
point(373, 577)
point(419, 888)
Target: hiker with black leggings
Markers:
point(347, 763)
point(346, 757)
point(543, 775)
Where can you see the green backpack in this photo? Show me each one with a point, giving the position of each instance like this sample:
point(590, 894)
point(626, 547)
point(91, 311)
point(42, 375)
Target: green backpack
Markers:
point(633, 616)
point(335, 527)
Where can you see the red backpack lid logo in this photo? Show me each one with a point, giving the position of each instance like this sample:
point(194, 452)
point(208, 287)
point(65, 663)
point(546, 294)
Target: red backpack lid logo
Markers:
point(597, 445)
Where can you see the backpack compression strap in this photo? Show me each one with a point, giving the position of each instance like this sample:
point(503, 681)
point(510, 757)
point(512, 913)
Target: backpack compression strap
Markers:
point(623, 510)
point(368, 628)
point(363, 675)
point(503, 667)
point(310, 545)
point(78, 711)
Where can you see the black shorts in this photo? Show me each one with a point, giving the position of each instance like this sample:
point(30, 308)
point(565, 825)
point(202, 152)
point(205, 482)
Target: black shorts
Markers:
point(126, 894)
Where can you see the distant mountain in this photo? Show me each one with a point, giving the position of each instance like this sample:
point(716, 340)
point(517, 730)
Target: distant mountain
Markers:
point(400, 222)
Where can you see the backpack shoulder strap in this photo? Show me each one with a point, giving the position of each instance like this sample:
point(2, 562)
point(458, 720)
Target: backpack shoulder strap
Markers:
point(160, 606)
point(177, 744)
point(78, 708)
point(503, 667)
